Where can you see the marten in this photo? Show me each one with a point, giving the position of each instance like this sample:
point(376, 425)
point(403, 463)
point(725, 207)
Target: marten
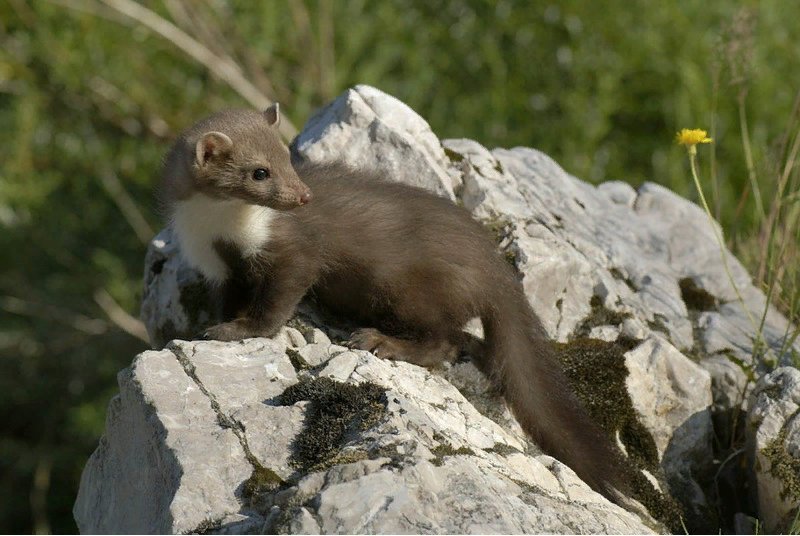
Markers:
point(410, 267)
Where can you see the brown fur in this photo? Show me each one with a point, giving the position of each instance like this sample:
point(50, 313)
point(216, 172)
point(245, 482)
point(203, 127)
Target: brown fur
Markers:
point(412, 268)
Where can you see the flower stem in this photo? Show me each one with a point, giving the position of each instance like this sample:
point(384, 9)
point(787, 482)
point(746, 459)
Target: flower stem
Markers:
point(721, 243)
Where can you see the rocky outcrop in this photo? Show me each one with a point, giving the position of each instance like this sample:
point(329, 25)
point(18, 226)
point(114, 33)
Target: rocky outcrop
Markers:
point(300, 434)
point(207, 435)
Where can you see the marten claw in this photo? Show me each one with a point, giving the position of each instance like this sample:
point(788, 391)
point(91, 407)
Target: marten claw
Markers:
point(368, 339)
point(227, 331)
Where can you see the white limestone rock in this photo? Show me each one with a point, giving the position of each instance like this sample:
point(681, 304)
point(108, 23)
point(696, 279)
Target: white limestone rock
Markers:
point(289, 336)
point(176, 301)
point(165, 462)
point(668, 390)
point(773, 438)
point(196, 419)
point(672, 397)
point(365, 127)
point(486, 184)
point(317, 336)
point(462, 495)
point(571, 240)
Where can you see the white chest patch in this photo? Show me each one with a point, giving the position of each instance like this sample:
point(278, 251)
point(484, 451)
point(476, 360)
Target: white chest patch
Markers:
point(200, 220)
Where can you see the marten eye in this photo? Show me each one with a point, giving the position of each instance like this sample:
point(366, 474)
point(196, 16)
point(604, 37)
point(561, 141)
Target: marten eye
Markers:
point(260, 174)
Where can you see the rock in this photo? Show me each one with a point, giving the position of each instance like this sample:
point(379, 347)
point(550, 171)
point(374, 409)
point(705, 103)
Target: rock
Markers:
point(176, 302)
point(458, 496)
point(290, 337)
point(730, 388)
point(672, 396)
point(605, 333)
point(773, 440)
point(165, 463)
point(196, 420)
point(618, 192)
point(315, 354)
point(317, 336)
point(367, 128)
point(637, 266)
point(668, 391)
point(486, 184)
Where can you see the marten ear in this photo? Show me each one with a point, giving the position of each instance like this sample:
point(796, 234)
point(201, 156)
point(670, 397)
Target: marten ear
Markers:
point(273, 115)
point(212, 145)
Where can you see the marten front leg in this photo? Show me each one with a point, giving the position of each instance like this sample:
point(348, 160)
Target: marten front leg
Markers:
point(232, 299)
point(273, 303)
point(275, 289)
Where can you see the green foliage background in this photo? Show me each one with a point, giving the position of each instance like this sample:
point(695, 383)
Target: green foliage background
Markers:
point(90, 99)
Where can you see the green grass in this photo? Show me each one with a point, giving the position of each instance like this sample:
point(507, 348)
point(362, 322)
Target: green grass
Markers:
point(770, 198)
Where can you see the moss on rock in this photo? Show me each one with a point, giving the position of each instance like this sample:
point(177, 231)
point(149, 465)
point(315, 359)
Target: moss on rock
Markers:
point(301, 325)
point(207, 526)
point(695, 297)
point(783, 467)
point(262, 480)
point(453, 156)
point(336, 412)
point(500, 229)
point(617, 273)
point(445, 449)
point(502, 449)
point(597, 373)
point(295, 359)
point(600, 315)
point(658, 324)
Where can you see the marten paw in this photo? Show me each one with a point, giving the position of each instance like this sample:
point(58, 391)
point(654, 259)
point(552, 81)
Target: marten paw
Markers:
point(373, 341)
point(229, 331)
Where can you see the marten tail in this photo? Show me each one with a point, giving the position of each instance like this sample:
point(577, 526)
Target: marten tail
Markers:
point(521, 362)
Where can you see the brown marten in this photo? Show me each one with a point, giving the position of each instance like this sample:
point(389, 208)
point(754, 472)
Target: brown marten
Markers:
point(410, 267)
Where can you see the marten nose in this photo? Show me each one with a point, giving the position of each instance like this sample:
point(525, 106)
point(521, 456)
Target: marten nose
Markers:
point(305, 197)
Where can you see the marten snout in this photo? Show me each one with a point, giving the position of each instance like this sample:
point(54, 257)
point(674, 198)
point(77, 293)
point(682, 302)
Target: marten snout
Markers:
point(286, 192)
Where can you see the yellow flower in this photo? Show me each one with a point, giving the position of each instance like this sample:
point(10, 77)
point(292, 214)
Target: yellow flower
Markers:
point(692, 136)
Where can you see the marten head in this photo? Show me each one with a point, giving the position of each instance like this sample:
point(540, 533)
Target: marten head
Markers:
point(238, 154)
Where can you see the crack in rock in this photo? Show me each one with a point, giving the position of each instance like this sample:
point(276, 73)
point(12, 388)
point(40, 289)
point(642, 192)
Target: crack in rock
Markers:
point(226, 421)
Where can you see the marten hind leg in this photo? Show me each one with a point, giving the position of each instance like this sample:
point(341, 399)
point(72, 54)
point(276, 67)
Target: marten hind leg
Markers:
point(425, 353)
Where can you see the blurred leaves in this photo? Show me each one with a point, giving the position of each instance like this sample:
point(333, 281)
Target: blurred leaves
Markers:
point(89, 99)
